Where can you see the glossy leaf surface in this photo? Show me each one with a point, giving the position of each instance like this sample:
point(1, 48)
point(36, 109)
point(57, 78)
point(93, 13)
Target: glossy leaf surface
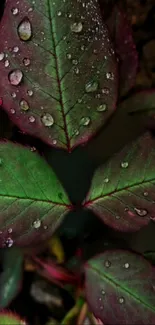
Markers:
point(121, 34)
point(58, 69)
point(122, 192)
point(11, 277)
point(123, 286)
point(32, 200)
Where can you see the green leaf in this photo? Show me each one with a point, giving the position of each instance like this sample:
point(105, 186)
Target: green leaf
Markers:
point(122, 192)
point(123, 287)
point(150, 256)
point(11, 277)
point(59, 81)
point(9, 318)
point(32, 200)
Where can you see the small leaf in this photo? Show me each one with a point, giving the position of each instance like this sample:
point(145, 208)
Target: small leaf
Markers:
point(123, 286)
point(121, 33)
point(11, 277)
point(9, 318)
point(122, 192)
point(150, 256)
point(142, 102)
point(32, 200)
point(58, 68)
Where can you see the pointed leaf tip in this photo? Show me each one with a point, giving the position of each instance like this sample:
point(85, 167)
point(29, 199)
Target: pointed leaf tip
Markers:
point(32, 201)
point(123, 286)
point(58, 68)
point(122, 192)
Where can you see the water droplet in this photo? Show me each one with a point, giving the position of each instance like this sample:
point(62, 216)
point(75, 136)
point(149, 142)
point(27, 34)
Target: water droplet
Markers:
point(95, 51)
point(59, 13)
point(76, 27)
point(105, 91)
point(117, 217)
point(110, 75)
point(15, 77)
point(124, 164)
point(10, 230)
point(141, 212)
point(36, 224)
point(33, 149)
point(32, 119)
point(45, 227)
point(47, 119)
point(126, 209)
point(102, 108)
point(54, 142)
point(25, 30)
point(15, 11)
point(107, 263)
point(91, 86)
point(106, 180)
point(24, 105)
point(121, 300)
point(26, 62)
point(12, 110)
point(2, 55)
point(14, 95)
point(75, 62)
point(85, 121)
point(6, 63)
point(9, 242)
point(69, 56)
point(126, 265)
point(30, 92)
point(77, 70)
point(103, 292)
point(146, 193)
point(15, 49)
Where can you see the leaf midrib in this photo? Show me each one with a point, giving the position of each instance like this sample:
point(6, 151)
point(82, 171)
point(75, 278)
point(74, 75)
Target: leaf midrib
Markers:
point(89, 202)
point(58, 78)
point(112, 281)
point(34, 199)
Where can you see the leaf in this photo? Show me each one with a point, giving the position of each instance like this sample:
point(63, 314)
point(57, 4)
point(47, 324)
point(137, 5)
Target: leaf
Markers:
point(11, 277)
point(123, 286)
point(32, 200)
point(59, 79)
point(142, 102)
point(121, 33)
point(150, 256)
point(9, 318)
point(122, 192)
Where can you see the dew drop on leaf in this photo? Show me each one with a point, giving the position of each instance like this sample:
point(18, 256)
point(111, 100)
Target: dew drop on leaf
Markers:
point(59, 13)
point(117, 217)
point(103, 292)
point(102, 108)
point(15, 77)
point(105, 91)
point(6, 63)
point(141, 212)
point(91, 86)
point(13, 95)
point(9, 242)
point(12, 110)
point(26, 62)
point(126, 265)
point(47, 119)
point(110, 75)
point(15, 11)
point(54, 141)
point(30, 92)
point(2, 55)
point(36, 224)
point(15, 49)
point(85, 120)
point(24, 105)
point(124, 164)
point(107, 263)
point(25, 30)
point(146, 193)
point(121, 300)
point(69, 56)
point(10, 230)
point(76, 27)
point(32, 119)
point(106, 180)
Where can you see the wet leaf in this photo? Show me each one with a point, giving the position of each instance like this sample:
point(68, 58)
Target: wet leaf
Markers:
point(58, 68)
point(11, 277)
point(32, 200)
point(122, 192)
point(121, 33)
point(123, 286)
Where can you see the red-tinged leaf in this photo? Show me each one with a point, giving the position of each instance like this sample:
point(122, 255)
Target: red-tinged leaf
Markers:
point(32, 201)
point(11, 277)
point(123, 287)
point(121, 34)
point(122, 192)
point(58, 68)
point(139, 103)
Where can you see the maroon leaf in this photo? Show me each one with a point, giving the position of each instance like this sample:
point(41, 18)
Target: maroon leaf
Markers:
point(121, 34)
point(122, 192)
point(58, 69)
point(120, 288)
point(142, 102)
